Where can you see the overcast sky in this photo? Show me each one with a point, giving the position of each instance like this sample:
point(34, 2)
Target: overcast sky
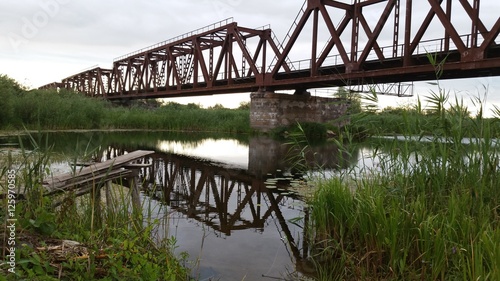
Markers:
point(43, 41)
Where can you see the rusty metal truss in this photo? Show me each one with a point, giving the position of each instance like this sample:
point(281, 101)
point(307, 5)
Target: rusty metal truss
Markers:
point(364, 42)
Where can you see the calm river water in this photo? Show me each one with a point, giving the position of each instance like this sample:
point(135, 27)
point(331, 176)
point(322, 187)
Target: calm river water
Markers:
point(212, 194)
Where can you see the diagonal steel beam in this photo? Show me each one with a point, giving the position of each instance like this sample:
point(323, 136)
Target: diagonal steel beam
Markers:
point(423, 28)
point(455, 37)
point(489, 39)
point(373, 36)
point(293, 38)
point(335, 36)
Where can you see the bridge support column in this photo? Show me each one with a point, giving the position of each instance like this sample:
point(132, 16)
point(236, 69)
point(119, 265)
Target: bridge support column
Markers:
point(270, 110)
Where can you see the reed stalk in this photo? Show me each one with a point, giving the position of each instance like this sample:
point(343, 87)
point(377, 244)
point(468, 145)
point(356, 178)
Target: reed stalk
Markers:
point(430, 211)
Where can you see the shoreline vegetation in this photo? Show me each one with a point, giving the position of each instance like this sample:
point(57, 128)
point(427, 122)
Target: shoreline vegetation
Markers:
point(49, 110)
point(79, 239)
point(65, 110)
point(430, 211)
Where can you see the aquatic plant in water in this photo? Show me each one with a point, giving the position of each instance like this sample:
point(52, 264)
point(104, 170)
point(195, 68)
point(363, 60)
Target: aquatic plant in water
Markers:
point(431, 212)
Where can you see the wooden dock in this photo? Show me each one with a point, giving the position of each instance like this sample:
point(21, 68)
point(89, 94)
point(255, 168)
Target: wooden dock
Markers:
point(95, 176)
point(119, 167)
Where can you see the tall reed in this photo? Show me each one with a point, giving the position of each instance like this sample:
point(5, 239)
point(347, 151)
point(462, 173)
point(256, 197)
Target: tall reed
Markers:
point(50, 109)
point(120, 243)
point(430, 211)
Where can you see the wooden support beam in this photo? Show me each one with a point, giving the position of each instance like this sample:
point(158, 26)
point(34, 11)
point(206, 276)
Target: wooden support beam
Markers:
point(135, 194)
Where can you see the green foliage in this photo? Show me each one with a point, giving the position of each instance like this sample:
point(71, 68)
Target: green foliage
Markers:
point(217, 106)
point(244, 105)
point(412, 121)
point(52, 110)
point(310, 132)
point(314, 132)
point(119, 246)
point(33, 266)
point(49, 109)
point(354, 99)
point(9, 90)
point(300, 140)
point(428, 212)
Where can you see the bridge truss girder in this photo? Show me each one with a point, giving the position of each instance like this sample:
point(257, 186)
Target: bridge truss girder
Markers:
point(370, 60)
point(234, 59)
point(94, 82)
point(221, 57)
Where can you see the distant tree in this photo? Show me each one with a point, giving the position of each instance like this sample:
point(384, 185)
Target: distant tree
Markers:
point(172, 105)
point(399, 110)
point(146, 103)
point(245, 105)
point(352, 97)
point(193, 106)
point(9, 89)
point(217, 106)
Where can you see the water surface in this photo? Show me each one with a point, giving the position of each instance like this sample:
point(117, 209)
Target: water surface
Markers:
point(211, 194)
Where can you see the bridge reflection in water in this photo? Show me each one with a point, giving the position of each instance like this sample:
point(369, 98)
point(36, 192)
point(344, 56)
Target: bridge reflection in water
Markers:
point(203, 197)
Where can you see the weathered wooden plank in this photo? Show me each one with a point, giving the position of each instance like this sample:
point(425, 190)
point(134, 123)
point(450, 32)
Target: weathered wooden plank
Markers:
point(95, 173)
point(98, 179)
point(136, 165)
point(97, 168)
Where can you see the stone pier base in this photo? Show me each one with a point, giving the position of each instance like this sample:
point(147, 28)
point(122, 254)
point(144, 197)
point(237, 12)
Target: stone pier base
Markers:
point(269, 110)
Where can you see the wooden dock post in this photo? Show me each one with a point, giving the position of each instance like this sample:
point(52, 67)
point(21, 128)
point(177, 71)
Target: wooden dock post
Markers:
point(109, 197)
point(95, 192)
point(135, 193)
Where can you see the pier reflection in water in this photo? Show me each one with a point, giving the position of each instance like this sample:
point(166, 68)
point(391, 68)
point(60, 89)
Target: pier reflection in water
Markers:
point(224, 217)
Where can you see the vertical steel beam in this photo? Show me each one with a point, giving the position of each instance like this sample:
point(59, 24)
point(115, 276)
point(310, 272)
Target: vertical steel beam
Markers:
point(196, 61)
point(395, 38)
point(314, 68)
point(229, 58)
point(475, 23)
point(355, 31)
point(265, 40)
point(446, 34)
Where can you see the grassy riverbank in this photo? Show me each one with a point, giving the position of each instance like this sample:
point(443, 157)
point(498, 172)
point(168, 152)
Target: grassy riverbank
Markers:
point(418, 121)
point(48, 109)
point(428, 210)
point(79, 239)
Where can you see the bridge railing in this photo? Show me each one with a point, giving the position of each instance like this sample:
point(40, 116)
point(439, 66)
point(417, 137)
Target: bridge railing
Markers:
point(177, 38)
point(424, 47)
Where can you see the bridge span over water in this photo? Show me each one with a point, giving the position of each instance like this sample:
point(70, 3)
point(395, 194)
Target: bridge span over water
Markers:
point(354, 43)
point(344, 48)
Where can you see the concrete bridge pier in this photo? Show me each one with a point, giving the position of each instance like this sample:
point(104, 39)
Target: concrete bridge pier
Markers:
point(270, 110)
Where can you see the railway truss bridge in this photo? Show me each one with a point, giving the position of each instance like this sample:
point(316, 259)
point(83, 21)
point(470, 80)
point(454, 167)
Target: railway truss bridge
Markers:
point(330, 43)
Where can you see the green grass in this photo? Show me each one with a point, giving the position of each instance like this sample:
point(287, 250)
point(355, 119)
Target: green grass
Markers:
point(120, 244)
point(49, 109)
point(430, 212)
point(415, 121)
